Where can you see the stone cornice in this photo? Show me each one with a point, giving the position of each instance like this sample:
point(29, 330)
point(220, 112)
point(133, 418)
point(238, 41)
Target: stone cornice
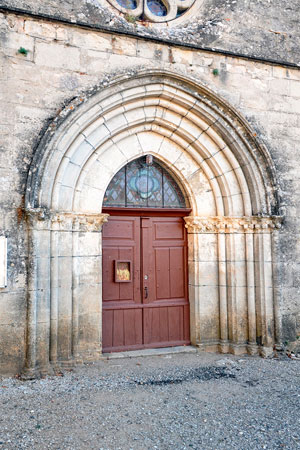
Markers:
point(42, 219)
point(219, 224)
point(60, 13)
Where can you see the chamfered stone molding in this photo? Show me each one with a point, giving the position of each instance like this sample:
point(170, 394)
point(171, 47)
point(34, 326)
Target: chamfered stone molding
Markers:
point(218, 224)
point(43, 219)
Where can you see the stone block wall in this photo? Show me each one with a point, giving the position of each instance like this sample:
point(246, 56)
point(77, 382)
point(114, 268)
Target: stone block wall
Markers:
point(64, 62)
point(266, 30)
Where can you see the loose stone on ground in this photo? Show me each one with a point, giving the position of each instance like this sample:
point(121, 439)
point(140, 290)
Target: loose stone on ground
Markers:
point(200, 401)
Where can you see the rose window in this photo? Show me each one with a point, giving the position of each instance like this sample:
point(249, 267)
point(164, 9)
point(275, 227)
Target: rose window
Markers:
point(152, 10)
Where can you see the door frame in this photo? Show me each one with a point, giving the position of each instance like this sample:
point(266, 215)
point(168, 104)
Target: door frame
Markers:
point(154, 212)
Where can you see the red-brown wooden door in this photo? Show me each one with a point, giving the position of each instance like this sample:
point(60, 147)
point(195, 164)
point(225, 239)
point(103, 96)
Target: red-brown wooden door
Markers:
point(152, 310)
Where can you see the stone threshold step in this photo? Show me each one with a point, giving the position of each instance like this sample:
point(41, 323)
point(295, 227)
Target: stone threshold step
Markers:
point(151, 352)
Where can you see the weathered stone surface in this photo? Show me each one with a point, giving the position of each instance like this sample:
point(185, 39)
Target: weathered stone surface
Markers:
point(255, 29)
point(65, 68)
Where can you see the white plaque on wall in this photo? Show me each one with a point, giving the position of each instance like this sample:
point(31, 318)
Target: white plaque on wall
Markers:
point(3, 261)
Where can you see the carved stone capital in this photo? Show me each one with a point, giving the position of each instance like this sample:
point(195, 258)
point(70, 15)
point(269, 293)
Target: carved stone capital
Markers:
point(89, 222)
point(219, 224)
point(43, 219)
point(37, 218)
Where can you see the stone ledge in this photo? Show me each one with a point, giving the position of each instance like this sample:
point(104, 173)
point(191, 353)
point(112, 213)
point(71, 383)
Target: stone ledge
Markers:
point(42, 219)
point(151, 352)
point(229, 225)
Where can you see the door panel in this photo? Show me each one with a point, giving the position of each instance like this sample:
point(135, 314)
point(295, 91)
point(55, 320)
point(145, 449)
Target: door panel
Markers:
point(122, 321)
point(177, 272)
point(167, 230)
point(133, 327)
point(175, 323)
point(121, 241)
point(151, 310)
point(107, 329)
point(118, 328)
point(167, 314)
point(162, 273)
point(122, 328)
point(165, 326)
point(112, 290)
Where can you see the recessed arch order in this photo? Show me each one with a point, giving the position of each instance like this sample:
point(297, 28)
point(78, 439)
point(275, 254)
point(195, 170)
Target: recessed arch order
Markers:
point(227, 176)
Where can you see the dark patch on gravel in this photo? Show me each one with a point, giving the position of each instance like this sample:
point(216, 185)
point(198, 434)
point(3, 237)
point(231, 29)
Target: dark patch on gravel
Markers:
point(199, 374)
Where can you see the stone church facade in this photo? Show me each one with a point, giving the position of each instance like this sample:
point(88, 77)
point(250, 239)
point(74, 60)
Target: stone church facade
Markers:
point(90, 86)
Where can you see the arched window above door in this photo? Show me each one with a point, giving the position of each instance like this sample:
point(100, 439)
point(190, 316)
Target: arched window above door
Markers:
point(144, 183)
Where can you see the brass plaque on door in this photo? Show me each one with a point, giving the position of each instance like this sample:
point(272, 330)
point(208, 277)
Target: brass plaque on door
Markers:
point(122, 271)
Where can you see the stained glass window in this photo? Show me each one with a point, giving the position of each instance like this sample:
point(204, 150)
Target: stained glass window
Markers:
point(153, 10)
point(144, 183)
point(128, 4)
point(157, 7)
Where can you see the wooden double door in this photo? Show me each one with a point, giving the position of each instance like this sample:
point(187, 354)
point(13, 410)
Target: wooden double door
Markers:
point(145, 287)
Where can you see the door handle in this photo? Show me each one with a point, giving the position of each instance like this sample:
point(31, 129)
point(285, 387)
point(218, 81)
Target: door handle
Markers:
point(146, 291)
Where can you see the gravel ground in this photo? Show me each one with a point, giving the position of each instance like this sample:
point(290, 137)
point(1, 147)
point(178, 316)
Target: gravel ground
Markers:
point(183, 401)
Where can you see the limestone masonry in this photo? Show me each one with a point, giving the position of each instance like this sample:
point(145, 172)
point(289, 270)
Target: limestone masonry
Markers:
point(214, 94)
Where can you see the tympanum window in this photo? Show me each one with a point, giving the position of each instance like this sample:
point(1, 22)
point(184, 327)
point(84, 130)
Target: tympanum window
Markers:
point(144, 183)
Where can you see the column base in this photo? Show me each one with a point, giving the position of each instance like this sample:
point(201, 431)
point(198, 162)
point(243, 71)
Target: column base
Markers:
point(226, 347)
point(210, 347)
point(238, 349)
point(36, 372)
point(252, 349)
point(266, 352)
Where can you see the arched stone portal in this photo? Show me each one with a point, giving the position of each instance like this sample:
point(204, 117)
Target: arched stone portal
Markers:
point(228, 179)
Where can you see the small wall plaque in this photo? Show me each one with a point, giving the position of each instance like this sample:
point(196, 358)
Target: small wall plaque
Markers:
point(122, 271)
point(3, 261)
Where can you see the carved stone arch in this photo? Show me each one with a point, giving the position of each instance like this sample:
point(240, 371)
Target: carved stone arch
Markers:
point(228, 178)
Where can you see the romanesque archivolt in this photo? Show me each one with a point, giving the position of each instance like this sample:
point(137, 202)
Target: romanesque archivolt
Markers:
point(230, 186)
point(152, 10)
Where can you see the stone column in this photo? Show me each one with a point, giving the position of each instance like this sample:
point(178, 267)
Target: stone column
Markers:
point(76, 287)
point(64, 289)
point(222, 266)
point(87, 286)
point(203, 283)
point(277, 291)
point(38, 293)
point(265, 281)
point(231, 259)
point(249, 244)
point(61, 227)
